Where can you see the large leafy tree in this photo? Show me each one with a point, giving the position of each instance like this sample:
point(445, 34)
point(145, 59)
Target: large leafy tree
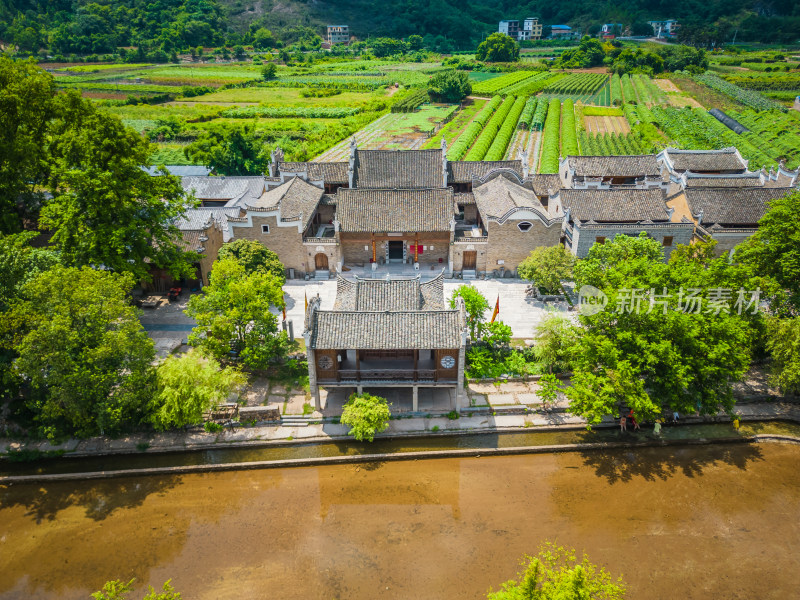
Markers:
point(81, 353)
point(189, 385)
point(230, 150)
point(254, 257)
point(556, 574)
point(106, 211)
point(773, 251)
point(783, 344)
point(26, 108)
point(670, 336)
point(547, 266)
point(498, 47)
point(449, 86)
point(233, 316)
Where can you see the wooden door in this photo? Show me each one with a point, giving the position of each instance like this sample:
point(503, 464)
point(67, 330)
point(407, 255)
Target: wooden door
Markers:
point(321, 262)
point(470, 260)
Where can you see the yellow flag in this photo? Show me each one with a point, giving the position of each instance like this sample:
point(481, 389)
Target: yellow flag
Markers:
point(305, 295)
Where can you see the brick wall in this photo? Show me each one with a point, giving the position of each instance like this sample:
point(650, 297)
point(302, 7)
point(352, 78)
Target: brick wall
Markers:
point(457, 254)
point(286, 242)
point(728, 241)
point(212, 246)
point(512, 246)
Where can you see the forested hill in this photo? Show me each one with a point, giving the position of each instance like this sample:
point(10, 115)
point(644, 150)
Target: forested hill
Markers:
point(98, 26)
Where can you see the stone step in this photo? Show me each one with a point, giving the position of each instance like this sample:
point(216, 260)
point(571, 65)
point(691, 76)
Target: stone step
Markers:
point(469, 275)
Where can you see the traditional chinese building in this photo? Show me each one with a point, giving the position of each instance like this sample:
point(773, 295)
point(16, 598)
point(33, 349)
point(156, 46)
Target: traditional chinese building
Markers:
point(387, 333)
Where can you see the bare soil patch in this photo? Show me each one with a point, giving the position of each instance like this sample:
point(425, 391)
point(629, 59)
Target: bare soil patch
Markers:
point(606, 124)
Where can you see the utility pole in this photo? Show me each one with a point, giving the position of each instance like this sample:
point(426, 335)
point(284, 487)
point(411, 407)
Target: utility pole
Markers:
point(734, 37)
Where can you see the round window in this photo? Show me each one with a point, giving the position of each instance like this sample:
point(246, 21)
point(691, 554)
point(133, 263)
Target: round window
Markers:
point(448, 362)
point(325, 362)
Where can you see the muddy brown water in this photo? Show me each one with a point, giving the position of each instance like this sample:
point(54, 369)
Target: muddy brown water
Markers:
point(704, 522)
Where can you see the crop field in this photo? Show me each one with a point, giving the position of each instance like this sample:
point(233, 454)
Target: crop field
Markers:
point(395, 131)
point(312, 109)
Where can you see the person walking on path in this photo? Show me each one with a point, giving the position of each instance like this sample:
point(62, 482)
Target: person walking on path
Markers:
point(623, 424)
point(657, 427)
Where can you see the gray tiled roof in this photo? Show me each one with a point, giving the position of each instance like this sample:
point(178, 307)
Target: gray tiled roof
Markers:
point(463, 171)
point(729, 181)
point(638, 165)
point(398, 169)
point(394, 210)
point(498, 197)
point(330, 172)
point(705, 160)
point(393, 295)
point(386, 330)
point(223, 188)
point(296, 199)
point(615, 206)
point(198, 219)
point(545, 183)
point(732, 206)
point(466, 198)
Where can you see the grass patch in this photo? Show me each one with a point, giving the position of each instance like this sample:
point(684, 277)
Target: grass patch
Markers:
point(454, 128)
point(283, 96)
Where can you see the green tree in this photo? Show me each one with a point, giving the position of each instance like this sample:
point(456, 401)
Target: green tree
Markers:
point(255, 257)
point(366, 415)
point(556, 574)
point(547, 266)
point(233, 315)
point(230, 150)
point(106, 211)
point(19, 263)
point(549, 386)
point(783, 344)
point(475, 305)
point(774, 251)
point(496, 333)
point(498, 47)
point(26, 110)
point(119, 590)
point(188, 386)
point(652, 347)
point(555, 342)
point(415, 42)
point(269, 71)
point(238, 52)
point(449, 86)
point(384, 46)
point(263, 39)
point(81, 351)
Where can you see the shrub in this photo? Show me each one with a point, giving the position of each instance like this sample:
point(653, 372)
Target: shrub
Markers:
point(366, 415)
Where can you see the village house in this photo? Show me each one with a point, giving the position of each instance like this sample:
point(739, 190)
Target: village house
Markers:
point(472, 218)
point(387, 333)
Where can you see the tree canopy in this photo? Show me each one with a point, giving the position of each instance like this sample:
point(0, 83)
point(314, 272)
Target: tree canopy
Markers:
point(556, 574)
point(773, 251)
point(475, 305)
point(546, 266)
point(230, 150)
point(670, 335)
point(233, 316)
point(498, 47)
point(81, 352)
point(449, 86)
point(255, 257)
point(366, 415)
point(187, 386)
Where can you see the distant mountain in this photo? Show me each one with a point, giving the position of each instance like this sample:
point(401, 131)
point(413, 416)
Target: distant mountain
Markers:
point(100, 26)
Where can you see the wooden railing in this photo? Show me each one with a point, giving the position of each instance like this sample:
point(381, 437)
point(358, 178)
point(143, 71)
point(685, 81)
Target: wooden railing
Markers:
point(345, 375)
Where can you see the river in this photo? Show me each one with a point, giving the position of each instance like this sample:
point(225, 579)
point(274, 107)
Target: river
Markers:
point(705, 522)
